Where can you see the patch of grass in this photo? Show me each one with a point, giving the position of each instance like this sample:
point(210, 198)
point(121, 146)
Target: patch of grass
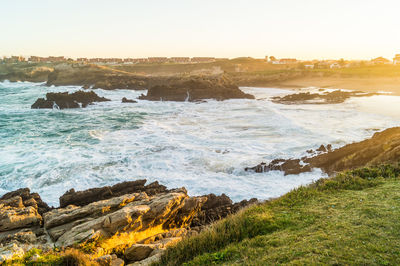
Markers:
point(351, 218)
point(70, 257)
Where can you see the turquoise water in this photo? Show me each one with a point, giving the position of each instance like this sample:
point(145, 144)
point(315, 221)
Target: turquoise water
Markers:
point(203, 147)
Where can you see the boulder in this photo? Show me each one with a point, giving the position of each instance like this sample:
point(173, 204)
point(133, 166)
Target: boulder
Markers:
point(63, 100)
point(138, 252)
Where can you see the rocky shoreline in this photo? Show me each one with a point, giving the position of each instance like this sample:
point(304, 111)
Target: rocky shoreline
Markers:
point(382, 147)
point(129, 222)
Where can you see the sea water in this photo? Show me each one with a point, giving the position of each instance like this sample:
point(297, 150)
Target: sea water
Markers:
point(201, 146)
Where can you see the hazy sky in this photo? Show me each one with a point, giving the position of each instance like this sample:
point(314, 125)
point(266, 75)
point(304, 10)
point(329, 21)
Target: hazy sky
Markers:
point(306, 29)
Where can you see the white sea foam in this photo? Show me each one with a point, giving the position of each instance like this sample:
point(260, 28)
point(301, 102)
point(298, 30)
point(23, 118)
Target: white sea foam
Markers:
point(202, 146)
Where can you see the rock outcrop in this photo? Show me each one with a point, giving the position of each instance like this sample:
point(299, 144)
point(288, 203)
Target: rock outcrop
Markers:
point(136, 220)
point(196, 89)
point(333, 97)
point(125, 100)
point(382, 147)
point(63, 100)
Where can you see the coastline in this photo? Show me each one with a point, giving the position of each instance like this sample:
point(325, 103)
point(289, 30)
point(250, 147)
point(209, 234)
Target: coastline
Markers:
point(366, 84)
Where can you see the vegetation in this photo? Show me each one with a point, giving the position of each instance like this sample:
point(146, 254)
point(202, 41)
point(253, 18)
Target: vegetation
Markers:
point(70, 257)
point(351, 218)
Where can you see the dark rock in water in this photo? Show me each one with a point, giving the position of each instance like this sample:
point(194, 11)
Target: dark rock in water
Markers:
point(289, 166)
point(329, 147)
point(125, 100)
point(333, 97)
point(64, 100)
point(196, 89)
point(382, 147)
point(28, 199)
point(218, 207)
point(85, 197)
point(322, 148)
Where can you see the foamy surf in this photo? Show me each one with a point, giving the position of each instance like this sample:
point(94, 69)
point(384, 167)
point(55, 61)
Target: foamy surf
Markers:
point(204, 147)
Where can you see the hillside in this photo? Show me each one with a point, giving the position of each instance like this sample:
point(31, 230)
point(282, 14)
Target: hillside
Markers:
point(348, 219)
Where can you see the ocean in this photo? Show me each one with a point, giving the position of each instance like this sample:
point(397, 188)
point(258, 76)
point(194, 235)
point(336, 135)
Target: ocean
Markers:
point(201, 146)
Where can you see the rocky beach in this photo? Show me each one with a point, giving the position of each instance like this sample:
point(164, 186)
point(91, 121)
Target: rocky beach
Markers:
point(123, 166)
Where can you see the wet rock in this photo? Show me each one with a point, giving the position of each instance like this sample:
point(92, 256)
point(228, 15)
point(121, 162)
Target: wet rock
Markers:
point(63, 100)
point(322, 148)
point(334, 97)
point(382, 147)
point(195, 89)
point(288, 166)
point(125, 100)
point(85, 197)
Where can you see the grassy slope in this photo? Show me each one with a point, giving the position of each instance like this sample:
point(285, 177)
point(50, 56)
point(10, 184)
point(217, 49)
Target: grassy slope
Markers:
point(352, 218)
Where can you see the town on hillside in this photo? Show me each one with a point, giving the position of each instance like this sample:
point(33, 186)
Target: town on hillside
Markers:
point(309, 64)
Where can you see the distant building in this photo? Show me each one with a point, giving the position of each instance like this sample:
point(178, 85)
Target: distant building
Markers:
point(396, 59)
point(202, 59)
point(180, 59)
point(322, 65)
point(157, 59)
point(334, 65)
point(309, 66)
point(380, 61)
point(13, 59)
point(82, 59)
point(287, 61)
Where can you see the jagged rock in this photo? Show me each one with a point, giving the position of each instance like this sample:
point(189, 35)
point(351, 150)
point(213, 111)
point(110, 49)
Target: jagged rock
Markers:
point(111, 219)
point(196, 89)
point(289, 166)
point(28, 198)
point(13, 218)
point(85, 197)
point(321, 148)
point(382, 147)
point(334, 97)
point(63, 100)
point(135, 215)
point(216, 208)
point(125, 100)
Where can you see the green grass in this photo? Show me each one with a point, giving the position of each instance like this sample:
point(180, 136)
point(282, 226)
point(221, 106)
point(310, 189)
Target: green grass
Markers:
point(352, 218)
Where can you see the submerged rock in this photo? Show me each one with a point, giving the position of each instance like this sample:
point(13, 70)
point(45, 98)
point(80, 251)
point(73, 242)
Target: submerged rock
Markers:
point(196, 89)
point(64, 100)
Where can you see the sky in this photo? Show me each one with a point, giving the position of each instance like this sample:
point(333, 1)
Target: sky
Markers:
point(303, 29)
